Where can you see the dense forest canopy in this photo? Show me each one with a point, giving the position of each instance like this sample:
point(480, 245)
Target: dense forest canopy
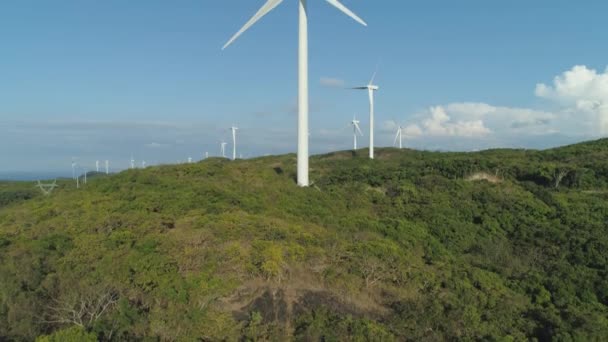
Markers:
point(499, 245)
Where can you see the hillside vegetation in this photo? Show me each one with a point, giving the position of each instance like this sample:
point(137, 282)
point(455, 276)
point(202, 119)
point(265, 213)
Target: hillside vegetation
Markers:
point(499, 245)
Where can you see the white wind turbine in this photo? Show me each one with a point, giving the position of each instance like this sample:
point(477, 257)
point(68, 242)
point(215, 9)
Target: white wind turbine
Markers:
point(132, 162)
point(97, 166)
point(189, 160)
point(302, 73)
point(356, 130)
point(107, 167)
point(371, 88)
point(234, 129)
point(143, 164)
point(73, 168)
point(223, 149)
point(399, 136)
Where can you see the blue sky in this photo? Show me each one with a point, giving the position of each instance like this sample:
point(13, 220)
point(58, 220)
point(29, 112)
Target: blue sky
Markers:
point(100, 80)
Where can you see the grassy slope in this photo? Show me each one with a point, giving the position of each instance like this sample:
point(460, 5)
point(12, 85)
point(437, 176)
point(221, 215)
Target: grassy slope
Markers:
point(403, 247)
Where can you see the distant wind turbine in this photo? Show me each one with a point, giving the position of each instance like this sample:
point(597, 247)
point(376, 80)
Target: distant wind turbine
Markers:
point(356, 130)
point(132, 162)
point(223, 149)
point(73, 168)
point(303, 180)
point(189, 160)
point(143, 164)
point(234, 129)
point(399, 136)
point(206, 155)
point(107, 167)
point(97, 166)
point(371, 88)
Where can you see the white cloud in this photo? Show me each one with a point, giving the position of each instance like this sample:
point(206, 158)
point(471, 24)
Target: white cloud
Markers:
point(470, 109)
point(156, 145)
point(438, 123)
point(411, 131)
point(332, 82)
point(583, 92)
point(477, 119)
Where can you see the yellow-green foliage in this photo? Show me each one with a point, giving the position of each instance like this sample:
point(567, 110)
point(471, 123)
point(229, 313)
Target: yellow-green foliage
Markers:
point(405, 247)
point(73, 334)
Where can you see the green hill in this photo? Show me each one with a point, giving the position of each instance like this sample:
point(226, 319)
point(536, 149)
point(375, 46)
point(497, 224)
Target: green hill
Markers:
point(500, 245)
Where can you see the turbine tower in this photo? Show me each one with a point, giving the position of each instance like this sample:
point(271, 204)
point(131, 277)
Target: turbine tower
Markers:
point(143, 164)
point(73, 168)
point(97, 166)
point(303, 180)
point(189, 160)
point(107, 167)
point(371, 88)
point(234, 129)
point(356, 130)
point(132, 162)
point(399, 136)
point(223, 149)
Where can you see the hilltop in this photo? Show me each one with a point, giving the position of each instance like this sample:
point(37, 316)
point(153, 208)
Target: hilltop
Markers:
point(496, 245)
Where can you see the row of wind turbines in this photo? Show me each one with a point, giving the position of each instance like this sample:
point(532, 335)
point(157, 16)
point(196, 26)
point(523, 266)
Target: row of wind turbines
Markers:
point(79, 172)
point(303, 93)
point(303, 100)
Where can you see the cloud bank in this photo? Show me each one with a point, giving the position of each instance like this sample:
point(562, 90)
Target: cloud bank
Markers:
point(582, 92)
point(575, 108)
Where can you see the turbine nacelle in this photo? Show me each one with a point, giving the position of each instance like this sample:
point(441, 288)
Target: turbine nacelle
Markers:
point(368, 87)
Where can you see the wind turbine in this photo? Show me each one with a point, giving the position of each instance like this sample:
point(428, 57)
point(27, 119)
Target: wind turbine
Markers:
point(107, 167)
point(234, 129)
point(371, 88)
point(73, 168)
point(132, 162)
point(356, 130)
point(206, 155)
point(189, 160)
point(223, 149)
point(399, 136)
point(97, 166)
point(143, 164)
point(303, 180)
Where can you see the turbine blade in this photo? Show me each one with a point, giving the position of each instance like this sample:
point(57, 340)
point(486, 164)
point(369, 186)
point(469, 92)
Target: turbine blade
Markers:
point(396, 137)
point(266, 8)
point(371, 82)
point(337, 4)
point(358, 129)
point(360, 88)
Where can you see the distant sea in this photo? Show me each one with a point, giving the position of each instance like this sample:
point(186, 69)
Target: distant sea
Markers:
point(31, 176)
